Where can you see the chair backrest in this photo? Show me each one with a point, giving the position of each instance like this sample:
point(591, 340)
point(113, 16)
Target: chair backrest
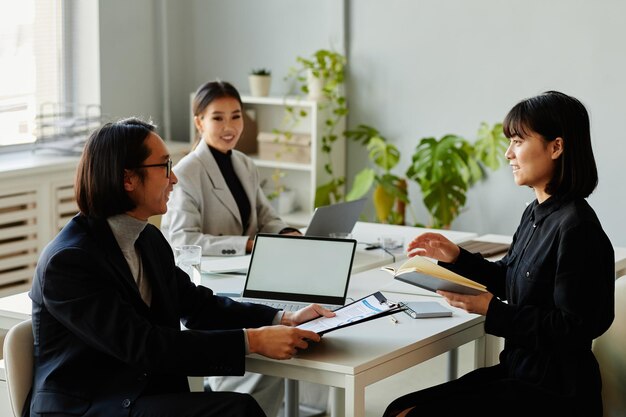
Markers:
point(609, 350)
point(18, 363)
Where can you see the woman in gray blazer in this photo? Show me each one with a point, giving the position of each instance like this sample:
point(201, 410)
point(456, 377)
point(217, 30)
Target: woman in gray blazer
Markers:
point(218, 203)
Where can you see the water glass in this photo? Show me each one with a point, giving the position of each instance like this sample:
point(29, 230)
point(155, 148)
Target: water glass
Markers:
point(391, 242)
point(340, 235)
point(189, 259)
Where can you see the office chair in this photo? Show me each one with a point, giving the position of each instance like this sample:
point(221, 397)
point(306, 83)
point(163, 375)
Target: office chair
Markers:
point(18, 362)
point(609, 350)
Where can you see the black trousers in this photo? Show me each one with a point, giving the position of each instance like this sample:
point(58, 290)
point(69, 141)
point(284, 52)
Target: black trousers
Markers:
point(197, 404)
point(488, 392)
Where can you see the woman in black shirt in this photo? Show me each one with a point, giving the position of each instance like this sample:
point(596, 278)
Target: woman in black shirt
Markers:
point(557, 280)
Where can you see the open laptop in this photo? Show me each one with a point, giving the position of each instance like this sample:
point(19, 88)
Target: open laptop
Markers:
point(335, 218)
point(290, 272)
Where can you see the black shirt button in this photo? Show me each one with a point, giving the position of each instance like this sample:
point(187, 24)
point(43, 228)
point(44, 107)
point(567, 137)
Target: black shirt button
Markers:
point(223, 251)
point(126, 403)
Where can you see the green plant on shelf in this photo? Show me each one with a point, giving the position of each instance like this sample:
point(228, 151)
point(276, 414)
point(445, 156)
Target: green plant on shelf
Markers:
point(261, 71)
point(321, 78)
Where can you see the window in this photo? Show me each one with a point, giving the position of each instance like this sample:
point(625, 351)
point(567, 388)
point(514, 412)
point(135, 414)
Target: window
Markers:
point(31, 65)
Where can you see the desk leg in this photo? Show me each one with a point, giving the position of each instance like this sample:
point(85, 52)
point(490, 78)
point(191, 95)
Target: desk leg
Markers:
point(355, 397)
point(479, 352)
point(337, 402)
point(453, 364)
point(292, 398)
point(196, 383)
point(492, 350)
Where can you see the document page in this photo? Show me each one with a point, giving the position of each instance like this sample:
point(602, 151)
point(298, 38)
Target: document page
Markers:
point(231, 265)
point(366, 308)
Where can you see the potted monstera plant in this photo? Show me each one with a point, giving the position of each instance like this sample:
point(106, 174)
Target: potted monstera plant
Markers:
point(390, 195)
point(446, 168)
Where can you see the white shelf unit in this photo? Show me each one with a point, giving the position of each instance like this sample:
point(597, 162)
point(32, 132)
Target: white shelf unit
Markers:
point(302, 178)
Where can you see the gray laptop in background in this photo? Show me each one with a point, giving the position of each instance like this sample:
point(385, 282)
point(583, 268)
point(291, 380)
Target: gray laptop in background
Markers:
point(335, 218)
point(291, 272)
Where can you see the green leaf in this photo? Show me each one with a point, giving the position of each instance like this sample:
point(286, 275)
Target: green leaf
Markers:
point(363, 182)
point(491, 145)
point(383, 154)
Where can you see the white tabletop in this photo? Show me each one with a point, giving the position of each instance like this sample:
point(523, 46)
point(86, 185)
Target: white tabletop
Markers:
point(353, 357)
point(366, 234)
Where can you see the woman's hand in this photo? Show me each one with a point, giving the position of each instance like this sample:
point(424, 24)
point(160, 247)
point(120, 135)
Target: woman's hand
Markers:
point(477, 304)
point(434, 245)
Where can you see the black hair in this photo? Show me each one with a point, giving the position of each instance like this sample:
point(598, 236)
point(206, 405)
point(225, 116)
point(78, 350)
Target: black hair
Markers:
point(109, 150)
point(556, 115)
point(207, 93)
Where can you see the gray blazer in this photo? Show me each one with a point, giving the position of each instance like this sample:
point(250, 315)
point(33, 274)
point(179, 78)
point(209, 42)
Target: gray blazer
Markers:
point(202, 210)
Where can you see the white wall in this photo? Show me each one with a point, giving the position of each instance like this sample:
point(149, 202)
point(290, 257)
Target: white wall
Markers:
point(417, 68)
point(431, 67)
point(130, 77)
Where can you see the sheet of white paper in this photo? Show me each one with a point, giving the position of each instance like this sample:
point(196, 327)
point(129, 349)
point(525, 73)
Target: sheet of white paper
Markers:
point(237, 265)
point(360, 310)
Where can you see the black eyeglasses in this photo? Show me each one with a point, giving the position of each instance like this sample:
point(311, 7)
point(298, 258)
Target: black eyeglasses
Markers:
point(167, 165)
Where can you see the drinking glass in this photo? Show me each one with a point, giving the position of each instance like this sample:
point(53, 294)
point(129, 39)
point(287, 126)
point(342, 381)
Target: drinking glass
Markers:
point(189, 259)
point(340, 235)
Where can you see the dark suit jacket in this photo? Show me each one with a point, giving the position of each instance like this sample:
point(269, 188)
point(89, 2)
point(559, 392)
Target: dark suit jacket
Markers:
point(98, 346)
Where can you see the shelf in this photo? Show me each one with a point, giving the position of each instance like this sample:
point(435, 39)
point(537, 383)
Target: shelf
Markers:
point(266, 163)
point(279, 101)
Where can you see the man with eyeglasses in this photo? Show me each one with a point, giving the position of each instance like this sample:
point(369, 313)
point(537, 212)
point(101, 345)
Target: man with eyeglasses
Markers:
point(108, 300)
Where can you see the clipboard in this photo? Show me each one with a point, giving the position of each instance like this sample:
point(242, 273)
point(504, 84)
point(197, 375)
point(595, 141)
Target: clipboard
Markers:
point(323, 325)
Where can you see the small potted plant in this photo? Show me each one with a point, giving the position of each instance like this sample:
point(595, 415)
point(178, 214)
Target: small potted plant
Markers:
point(321, 78)
point(260, 80)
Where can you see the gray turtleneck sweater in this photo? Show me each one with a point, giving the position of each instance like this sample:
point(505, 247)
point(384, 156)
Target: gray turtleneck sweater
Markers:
point(126, 230)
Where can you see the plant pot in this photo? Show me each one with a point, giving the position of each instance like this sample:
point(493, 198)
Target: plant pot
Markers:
point(260, 85)
point(285, 202)
point(315, 86)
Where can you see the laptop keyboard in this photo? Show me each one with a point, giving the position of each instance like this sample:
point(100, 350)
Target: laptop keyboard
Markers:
point(282, 306)
point(285, 306)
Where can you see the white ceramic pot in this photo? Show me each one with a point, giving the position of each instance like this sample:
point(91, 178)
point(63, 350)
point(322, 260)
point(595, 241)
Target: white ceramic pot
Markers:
point(315, 85)
point(260, 85)
point(285, 202)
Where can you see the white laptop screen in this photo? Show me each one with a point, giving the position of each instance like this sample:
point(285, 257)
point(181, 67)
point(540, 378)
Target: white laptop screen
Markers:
point(301, 269)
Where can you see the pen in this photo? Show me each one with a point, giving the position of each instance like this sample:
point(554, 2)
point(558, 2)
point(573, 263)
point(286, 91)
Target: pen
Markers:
point(393, 319)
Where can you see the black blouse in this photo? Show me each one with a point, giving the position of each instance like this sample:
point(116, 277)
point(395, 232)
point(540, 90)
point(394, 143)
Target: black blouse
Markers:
point(559, 282)
point(225, 163)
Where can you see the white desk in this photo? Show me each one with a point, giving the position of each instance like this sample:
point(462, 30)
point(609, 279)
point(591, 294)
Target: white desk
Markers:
point(365, 233)
point(14, 309)
point(352, 358)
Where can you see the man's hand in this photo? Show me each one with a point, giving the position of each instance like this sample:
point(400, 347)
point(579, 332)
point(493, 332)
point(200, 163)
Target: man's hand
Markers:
point(279, 342)
point(293, 318)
